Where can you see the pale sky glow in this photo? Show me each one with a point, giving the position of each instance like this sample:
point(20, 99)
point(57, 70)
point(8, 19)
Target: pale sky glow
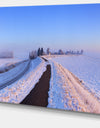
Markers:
point(62, 26)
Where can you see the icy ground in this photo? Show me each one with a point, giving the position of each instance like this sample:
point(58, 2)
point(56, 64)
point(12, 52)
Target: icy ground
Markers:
point(67, 92)
point(17, 91)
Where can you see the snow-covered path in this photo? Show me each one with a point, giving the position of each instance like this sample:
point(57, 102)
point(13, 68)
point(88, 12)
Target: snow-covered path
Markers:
point(17, 91)
point(68, 92)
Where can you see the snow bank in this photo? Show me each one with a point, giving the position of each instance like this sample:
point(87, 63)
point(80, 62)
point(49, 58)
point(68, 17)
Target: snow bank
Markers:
point(17, 91)
point(67, 92)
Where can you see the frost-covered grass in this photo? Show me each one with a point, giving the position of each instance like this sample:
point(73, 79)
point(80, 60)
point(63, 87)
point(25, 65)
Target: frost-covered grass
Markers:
point(17, 91)
point(86, 68)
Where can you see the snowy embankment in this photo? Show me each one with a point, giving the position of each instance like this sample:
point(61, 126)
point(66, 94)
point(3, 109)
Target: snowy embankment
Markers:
point(17, 91)
point(7, 64)
point(13, 73)
point(68, 92)
point(4, 62)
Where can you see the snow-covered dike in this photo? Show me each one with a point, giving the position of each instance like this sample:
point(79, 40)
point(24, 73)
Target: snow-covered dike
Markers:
point(13, 73)
point(4, 62)
point(67, 92)
point(17, 91)
point(7, 64)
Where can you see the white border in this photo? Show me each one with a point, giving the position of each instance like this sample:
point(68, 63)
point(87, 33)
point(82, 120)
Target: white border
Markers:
point(4, 3)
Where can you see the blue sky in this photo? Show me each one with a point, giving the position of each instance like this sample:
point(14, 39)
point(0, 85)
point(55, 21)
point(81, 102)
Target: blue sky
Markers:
point(61, 26)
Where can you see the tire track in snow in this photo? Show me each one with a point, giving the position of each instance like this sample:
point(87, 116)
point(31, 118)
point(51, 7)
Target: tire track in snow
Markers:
point(15, 78)
point(16, 92)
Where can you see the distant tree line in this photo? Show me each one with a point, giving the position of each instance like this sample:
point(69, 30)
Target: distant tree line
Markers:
point(61, 52)
point(34, 54)
point(74, 52)
point(40, 52)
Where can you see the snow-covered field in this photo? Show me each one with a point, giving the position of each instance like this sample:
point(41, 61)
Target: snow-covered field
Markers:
point(86, 68)
point(68, 93)
point(75, 83)
point(17, 91)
